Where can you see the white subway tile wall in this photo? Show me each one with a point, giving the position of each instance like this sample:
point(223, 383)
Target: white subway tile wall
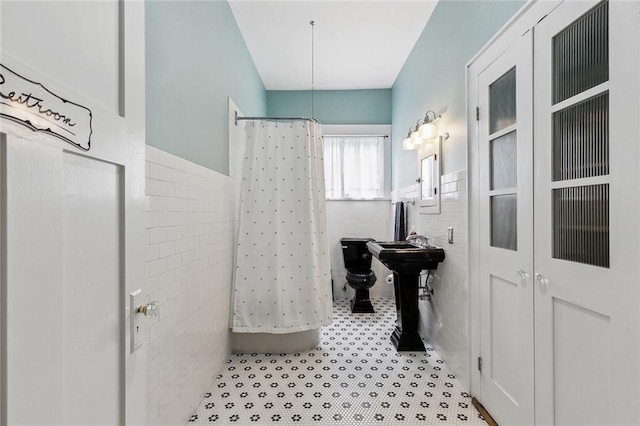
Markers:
point(444, 321)
point(359, 219)
point(190, 222)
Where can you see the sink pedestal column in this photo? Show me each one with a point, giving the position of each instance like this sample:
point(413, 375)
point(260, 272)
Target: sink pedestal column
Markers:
point(406, 261)
point(405, 337)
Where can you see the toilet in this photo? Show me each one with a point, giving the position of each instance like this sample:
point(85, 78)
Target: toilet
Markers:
point(360, 277)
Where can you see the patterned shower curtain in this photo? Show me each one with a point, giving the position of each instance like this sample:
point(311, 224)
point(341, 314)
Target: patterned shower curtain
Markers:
point(282, 275)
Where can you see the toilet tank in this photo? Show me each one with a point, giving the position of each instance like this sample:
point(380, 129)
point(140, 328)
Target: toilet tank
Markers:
point(357, 257)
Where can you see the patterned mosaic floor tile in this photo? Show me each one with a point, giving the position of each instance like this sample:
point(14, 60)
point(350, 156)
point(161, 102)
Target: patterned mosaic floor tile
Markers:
point(353, 377)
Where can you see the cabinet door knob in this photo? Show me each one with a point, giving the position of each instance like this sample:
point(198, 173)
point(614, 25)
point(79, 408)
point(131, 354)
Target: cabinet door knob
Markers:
point(522, 273)
point(540, 278)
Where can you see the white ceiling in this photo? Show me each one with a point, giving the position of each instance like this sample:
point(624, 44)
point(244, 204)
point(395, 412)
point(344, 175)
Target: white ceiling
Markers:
point(358, 44)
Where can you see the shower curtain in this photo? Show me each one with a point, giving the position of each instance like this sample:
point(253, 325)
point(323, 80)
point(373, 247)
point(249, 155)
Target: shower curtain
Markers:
point(282, 273)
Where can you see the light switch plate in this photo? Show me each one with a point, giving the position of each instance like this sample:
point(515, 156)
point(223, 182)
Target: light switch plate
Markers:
point(135, 300)
point(450, 234)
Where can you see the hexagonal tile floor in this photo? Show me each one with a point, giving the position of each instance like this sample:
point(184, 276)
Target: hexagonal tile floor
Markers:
point(354, 376)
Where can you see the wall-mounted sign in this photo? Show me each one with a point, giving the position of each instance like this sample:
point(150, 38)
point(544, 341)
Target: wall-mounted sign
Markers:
point(34, 106)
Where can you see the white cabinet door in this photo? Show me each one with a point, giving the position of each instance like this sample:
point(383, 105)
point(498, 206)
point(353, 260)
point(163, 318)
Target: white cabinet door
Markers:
point(71, 222)
point(586, 215)
point(506, 234)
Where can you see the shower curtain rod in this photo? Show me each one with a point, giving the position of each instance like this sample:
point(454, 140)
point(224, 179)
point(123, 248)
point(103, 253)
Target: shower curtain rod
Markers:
point(358, 136)
point(274, 118)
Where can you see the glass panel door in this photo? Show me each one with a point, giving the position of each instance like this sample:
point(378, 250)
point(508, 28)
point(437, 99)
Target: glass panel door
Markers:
point(586, 207)
point(506, 234)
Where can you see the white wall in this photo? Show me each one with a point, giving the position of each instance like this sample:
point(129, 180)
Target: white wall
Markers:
point(361, 219)
point(444, 321)
point(189, 220)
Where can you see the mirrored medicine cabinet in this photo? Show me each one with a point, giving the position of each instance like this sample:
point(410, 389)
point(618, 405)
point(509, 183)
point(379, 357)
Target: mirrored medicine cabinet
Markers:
point(429, 158)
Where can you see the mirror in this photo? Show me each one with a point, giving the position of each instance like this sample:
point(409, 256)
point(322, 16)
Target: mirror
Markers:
point(426, 178)
point(429, 180)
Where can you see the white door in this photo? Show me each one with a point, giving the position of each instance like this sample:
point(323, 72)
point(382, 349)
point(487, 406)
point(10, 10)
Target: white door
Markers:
point(506, 235)
point(71, 222)
point(586, 215)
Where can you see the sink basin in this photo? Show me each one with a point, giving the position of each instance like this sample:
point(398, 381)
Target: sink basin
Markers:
point(396, 245)
point(406, 255)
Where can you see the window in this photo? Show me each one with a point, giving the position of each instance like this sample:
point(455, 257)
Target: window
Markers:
point(354, 167)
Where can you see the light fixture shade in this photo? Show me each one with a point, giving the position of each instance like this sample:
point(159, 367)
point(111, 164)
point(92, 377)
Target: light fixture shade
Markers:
point(416, 139)
point(407, 144)
point(428, 131)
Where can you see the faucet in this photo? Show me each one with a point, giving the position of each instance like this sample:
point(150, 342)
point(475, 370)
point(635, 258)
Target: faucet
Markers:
point(418, 240)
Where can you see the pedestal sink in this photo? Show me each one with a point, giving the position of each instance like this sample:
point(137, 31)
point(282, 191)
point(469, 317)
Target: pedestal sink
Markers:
point(406, 260)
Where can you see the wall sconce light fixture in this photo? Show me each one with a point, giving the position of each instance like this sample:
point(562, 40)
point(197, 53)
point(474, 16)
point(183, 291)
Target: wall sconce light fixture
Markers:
point(424, 130)
point(427, 129)
point(407, 143)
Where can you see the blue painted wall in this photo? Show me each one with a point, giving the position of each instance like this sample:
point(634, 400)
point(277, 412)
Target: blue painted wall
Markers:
point(372, 106)
point(433, 77)
point(195, 59)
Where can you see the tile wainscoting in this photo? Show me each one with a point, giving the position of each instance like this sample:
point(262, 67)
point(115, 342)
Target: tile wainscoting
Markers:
point(444, 321)
point(190, 222)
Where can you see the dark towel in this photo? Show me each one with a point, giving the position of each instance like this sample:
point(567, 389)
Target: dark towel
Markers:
point(400, 233)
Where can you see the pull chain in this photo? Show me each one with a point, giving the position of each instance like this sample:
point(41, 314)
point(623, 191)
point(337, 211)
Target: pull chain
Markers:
point(312, 23)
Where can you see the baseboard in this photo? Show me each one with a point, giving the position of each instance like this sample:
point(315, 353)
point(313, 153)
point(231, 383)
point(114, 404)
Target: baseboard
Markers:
point(484, 412)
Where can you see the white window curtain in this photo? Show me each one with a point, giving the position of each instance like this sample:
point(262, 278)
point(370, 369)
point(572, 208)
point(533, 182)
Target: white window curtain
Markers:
point(354, 167)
